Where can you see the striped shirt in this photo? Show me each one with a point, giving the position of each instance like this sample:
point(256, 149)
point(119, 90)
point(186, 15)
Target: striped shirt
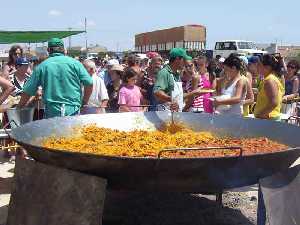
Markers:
point(18, 84)
point(187, 86)
point(198, 100)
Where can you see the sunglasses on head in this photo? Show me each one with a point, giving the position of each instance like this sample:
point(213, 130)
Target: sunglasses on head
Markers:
point(291, 67)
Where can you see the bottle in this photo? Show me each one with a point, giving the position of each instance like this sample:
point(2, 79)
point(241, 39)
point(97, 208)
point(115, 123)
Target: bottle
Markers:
point(62, 110)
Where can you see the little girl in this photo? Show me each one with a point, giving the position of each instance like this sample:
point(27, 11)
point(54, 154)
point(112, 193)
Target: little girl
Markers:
point(130, 96)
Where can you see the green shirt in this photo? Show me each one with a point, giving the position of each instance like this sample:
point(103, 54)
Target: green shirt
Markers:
point(61, 78)
point(164, 80)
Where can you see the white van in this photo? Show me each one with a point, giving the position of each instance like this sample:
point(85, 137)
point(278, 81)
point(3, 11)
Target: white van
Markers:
point(245, 48)
point(92, 55)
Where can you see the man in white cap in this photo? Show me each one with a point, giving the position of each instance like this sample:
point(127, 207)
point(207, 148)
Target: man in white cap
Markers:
point(105, 74)
point(99, 96)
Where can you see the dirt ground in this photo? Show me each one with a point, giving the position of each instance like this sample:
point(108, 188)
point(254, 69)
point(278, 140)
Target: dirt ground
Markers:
point(179, 209)
point(239, 206)
point(6, 177)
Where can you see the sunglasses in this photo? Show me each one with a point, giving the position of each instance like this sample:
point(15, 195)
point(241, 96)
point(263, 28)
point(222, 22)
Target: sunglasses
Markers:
point(189, 66)
point(291, 67)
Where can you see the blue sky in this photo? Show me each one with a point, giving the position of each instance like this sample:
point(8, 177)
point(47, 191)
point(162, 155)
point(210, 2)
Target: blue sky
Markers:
point(113, 23)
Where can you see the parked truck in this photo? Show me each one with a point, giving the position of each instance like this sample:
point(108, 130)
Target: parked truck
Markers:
point(243, 48)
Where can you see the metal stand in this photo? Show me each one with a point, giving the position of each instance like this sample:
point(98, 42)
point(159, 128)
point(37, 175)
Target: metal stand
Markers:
point(279, 197)
point(261, 208)
point(43, 194)
point(219, 199)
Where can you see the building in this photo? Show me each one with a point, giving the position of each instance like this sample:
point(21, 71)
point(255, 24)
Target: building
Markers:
point(190, 37)
point(91, 49)
point(271, 48)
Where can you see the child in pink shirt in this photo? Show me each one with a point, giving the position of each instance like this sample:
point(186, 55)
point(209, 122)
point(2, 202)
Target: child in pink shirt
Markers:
point(130, 95)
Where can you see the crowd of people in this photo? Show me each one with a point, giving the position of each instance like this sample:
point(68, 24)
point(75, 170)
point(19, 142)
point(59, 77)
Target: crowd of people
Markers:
point(263, 86)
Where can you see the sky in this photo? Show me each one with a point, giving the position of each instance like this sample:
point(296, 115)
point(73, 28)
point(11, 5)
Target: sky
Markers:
point(113, 23)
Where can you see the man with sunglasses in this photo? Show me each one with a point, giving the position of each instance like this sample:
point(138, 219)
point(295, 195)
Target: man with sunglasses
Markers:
point(168, 86)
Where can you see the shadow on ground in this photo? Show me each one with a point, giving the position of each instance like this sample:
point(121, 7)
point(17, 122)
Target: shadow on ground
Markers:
point(3, 214)
point(167, 209)
point(6, 185)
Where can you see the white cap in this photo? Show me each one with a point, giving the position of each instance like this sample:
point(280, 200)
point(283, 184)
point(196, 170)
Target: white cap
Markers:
point(222, 59)
point(112, 62)
point(142, 56)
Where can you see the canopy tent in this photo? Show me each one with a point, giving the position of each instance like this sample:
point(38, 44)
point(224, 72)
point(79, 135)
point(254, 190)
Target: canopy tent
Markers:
point(9, 37)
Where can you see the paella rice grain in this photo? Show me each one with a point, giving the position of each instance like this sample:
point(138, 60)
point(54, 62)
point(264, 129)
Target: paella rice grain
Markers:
point(139, 143)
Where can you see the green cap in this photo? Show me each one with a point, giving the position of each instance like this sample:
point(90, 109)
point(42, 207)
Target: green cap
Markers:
point(179, 52)
point(55, 42)
point(189, 58)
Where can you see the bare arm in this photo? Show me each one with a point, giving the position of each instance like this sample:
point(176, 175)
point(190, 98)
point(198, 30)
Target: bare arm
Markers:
point(236, 98)
point(87, 94)
point(194, 92)
point(284, 65)
point(219, 82)
point(161, 96)
point(104, 103)
point(214, 84)
point(24, 100)
point(250, 95)
point(5, 72)
point(195, 81)
point(7, 87)
point(124, 108)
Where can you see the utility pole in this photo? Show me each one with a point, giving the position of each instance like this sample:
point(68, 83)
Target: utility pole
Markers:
point(86, 39)
point(117, 46)
point(70, 28)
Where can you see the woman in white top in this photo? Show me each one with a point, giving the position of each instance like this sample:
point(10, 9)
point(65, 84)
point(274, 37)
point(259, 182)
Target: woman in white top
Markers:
point(232, 89)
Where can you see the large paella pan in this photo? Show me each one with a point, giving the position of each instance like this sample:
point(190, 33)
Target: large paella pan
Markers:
point(166, 173)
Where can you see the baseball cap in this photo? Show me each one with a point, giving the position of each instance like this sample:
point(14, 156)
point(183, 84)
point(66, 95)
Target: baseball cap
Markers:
point(179, 52)
point(55, 42)
point(22, 61)
point(222, 60)
point(112, 62)
point(189, 58)
point(151, 55)
point(253, 59)
point(117, 67)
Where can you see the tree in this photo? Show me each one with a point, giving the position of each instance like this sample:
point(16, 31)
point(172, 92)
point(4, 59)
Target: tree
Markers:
point(74, 53)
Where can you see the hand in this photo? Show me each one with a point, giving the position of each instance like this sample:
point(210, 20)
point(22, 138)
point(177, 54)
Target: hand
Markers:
point(197, 91)
point(215, 102)
point(263, 116)
point(38, 96)
point(284, 99)
point(174, 107)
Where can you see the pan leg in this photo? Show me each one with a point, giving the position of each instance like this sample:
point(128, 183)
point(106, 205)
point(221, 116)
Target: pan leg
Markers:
point(261, 209)
point(219, 199)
